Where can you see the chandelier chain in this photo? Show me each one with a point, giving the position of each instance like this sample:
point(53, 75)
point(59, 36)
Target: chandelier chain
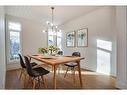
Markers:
point(52, 14)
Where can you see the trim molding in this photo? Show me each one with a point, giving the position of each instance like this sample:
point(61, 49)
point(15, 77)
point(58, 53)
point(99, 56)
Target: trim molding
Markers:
point(121, 85)
point(13, 66)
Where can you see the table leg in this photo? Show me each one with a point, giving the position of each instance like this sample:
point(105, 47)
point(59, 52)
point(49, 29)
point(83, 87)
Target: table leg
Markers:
point(79, 70)
point(54, 76)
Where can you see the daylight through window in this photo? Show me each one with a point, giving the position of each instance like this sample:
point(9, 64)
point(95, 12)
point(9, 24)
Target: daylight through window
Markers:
point(14, 30)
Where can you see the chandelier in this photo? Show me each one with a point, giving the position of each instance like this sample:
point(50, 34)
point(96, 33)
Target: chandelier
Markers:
point(50, 25)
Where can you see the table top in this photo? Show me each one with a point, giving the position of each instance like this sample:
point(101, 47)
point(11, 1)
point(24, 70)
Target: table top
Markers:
point(55, 60)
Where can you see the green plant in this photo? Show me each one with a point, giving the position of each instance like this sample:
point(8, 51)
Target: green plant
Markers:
point(53, 49)
point(43, 50)
point(50, 49)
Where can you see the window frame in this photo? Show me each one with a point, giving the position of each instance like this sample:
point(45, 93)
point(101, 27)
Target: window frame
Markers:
point(55, 43)
point(56, 37)
point(8, 40)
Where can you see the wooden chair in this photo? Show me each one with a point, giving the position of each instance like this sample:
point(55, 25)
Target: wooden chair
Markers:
point(36, 74)
point(72, 65)
point(22, 64)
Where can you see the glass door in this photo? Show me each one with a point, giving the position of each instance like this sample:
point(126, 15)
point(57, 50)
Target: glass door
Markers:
point(13, 41)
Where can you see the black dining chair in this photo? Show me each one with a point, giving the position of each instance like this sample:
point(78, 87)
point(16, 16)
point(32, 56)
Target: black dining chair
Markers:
point(22, 64)
point(36, 74)
point(60, 52)
point(72, 65)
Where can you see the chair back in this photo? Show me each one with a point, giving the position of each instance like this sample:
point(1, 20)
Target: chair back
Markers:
point(21, 61)
point(76, 54)
point(28, 66)
point(60, 52)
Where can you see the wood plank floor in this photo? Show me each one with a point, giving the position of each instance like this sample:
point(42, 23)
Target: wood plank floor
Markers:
point(91, 80)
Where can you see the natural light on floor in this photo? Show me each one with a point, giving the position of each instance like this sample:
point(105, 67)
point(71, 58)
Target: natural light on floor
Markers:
point(104, 49)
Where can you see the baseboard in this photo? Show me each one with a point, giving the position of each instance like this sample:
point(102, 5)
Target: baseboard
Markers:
point(121, 85)
point(13, 66)
point(88, 69)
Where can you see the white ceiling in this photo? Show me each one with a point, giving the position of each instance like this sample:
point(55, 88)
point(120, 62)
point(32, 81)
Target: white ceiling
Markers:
point(62, 14)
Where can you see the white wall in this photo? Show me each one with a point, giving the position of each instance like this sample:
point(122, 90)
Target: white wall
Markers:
point(2, 49)
point(121, 20)
point(32, 37)
point(100, 24)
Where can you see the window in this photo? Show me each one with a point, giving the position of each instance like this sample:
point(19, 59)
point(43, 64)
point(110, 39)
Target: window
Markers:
point(51, 38)
point(59, 39)
point(14, 30)
point(106, 45)
point(104, 49)
point(55, 39)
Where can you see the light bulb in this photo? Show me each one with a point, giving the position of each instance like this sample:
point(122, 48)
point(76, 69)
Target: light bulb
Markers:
point(47, 22)
point(44, 31)
point(51, 24)
point(59, 30)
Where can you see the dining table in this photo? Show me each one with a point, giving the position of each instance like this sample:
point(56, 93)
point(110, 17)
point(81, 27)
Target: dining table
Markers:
point(54, 61)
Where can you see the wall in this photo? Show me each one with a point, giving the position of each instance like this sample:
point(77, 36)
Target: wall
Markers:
point(2, 49)
point(32, 37)
point(100, 24)
point(121, 21)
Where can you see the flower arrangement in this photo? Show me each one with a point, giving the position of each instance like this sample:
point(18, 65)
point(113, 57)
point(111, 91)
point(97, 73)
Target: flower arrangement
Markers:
point(51, 49)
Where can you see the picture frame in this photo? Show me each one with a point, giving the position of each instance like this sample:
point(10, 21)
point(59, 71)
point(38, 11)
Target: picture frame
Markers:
point(70, 39)
point(82, 37)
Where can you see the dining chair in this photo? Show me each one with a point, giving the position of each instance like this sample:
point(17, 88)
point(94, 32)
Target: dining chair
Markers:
point(36, 74)
point(72, 65)
point(60, 52)
point(60, 66)
point(22, 64)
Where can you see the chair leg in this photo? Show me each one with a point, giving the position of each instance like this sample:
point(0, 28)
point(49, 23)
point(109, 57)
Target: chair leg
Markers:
point(25, 80)
point(28, 81)
point(74, 73)
point(38, 82)
point(34, 83)
point(21, 72)
point(44, 81)
point(66, 72)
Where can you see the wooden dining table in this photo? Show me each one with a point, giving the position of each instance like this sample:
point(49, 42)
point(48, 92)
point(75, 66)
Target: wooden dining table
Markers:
point(54, 61)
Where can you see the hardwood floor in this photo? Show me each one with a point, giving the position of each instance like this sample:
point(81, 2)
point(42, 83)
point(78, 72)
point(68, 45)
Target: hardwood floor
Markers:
point(91, 80)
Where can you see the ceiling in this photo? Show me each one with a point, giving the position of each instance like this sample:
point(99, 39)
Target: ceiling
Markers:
point(62, 14)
